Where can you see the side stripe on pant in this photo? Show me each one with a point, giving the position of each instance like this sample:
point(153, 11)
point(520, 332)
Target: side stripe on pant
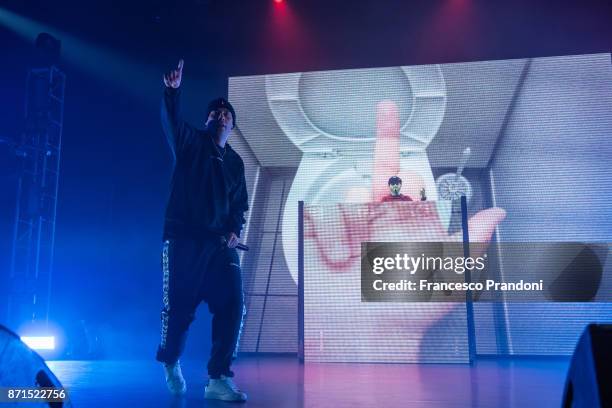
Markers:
point(165, 290)
point(244, 311)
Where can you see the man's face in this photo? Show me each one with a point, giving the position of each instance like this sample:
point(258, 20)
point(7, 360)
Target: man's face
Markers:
point(395, 188)
point(222, 119)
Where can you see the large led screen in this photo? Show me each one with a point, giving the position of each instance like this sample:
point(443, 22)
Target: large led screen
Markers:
point(527, 141)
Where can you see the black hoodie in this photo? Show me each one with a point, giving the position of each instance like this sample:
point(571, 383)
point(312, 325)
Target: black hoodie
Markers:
point(208, 193)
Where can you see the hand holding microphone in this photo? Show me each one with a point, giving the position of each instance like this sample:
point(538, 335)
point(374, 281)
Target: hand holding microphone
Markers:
point(231, 240)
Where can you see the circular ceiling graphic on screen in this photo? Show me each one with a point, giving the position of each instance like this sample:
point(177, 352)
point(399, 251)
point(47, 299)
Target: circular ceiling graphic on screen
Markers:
point(336, 110)
point(343, 103)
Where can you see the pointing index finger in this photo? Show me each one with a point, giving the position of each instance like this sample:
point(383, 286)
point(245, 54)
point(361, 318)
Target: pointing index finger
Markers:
point(386, 151)
point(180, 64)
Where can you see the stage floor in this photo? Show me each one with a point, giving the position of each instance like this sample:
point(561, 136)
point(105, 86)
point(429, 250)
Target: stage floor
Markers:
point(283, 382)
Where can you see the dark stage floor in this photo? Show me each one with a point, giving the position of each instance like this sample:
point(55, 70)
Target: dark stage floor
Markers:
point(283, 382)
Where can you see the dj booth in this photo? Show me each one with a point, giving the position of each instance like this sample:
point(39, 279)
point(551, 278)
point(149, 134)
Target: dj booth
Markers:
point(336, 324)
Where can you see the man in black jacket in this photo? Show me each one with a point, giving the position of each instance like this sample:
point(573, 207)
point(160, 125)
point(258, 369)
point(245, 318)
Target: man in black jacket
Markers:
point(203, 220)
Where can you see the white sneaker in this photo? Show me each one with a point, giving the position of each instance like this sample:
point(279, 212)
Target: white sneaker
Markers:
point(223, 389)
point(174, 379)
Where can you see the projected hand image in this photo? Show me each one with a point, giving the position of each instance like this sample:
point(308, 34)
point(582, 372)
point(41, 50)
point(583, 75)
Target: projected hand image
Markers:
point(388, 220)
point(332, 257)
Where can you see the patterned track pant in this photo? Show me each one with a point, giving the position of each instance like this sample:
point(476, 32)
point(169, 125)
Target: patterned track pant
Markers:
point(195, 271)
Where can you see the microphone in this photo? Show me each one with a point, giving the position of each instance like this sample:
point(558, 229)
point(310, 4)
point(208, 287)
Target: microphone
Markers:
point(240, 246)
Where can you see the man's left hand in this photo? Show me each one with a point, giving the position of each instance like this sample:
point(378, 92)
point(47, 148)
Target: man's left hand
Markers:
point(232, 240)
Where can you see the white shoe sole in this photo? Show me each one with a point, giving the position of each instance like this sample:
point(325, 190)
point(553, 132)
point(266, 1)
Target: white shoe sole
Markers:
point(224, 397)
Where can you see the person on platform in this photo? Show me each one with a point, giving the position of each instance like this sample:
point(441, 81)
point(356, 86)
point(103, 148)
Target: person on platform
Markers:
point(203, 220)
point(395, 185)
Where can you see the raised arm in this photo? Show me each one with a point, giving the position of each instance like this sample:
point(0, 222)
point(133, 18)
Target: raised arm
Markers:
point(175, 128)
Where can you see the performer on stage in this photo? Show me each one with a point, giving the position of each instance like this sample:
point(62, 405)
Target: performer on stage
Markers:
point(395, 185)
point(203, 220)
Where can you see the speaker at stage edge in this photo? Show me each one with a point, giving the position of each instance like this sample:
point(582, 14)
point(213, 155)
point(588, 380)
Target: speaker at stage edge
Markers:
point(21, 367)
point(589, 378)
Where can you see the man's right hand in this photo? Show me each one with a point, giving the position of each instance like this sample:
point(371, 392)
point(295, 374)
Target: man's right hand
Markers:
point(173, 78)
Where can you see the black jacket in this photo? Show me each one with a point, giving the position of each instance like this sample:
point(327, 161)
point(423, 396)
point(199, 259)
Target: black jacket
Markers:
point(208, 192)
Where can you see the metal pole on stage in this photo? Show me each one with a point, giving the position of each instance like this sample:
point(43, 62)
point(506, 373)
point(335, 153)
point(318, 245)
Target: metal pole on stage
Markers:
point(468, 279)
point(301, 281)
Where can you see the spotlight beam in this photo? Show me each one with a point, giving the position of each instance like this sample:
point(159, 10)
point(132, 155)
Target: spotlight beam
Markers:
point(136, 78)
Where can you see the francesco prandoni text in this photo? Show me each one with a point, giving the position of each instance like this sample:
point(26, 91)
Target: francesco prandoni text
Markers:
point(425, 285)
point(457, 265)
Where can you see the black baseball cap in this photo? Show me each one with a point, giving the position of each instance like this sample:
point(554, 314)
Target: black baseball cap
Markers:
point(395, 180)
point(221, 103)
